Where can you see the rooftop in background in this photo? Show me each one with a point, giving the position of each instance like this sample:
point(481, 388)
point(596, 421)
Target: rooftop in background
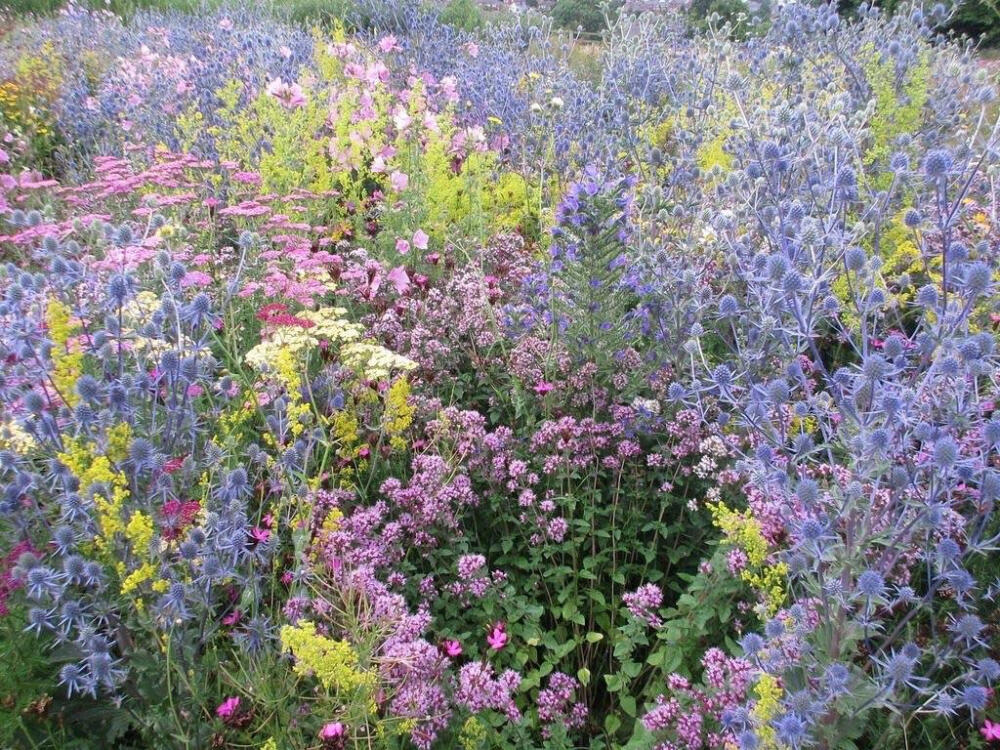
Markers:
point(629, 6)
point(654, 6)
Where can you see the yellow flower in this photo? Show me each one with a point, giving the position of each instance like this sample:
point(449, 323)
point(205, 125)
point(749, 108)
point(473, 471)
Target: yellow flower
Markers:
point(67, 362)
point(334, 663)
point(473, 734)
point(13, 437)
point(744, 531)
point(398, 412)
point(768, 693)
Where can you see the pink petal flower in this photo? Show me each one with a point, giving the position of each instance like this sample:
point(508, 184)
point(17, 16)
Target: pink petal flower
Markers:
point(399, 279)
point(399, 181)
point(401, 119)
point(990, 730)
point(451, 648)
point(389, 43)
point(332, 731)
point(542, 387)
point(420, 239)
point(260, 535)
point(497, 637)
point(227, 708)
point(402, 246)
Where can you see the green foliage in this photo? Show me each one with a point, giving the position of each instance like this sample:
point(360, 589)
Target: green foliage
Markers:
point(736, 13)
point(323, 12)
point(899, 104)
point(463, 14)
point(979, 19)
point(317, 12)
point(622, 531)
point(584, 14)
point(123, 8)
point(25, 679)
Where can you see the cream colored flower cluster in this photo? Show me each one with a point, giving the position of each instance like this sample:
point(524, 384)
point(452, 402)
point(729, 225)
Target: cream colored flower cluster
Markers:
point(329, 325)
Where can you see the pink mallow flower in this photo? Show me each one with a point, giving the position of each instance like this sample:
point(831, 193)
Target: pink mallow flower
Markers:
point(389, 44)
point(399, 181)
point(290, 95)
point(402, 246)
point(399, 279)
point(451, 648)
point(420, 239)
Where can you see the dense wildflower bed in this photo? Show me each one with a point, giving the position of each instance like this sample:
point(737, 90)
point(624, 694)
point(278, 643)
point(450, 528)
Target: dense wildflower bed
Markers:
point(414, 387)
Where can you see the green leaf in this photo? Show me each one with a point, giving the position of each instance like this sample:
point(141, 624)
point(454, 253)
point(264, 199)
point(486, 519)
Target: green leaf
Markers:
point(632, 668)
point(594, 637)
point(628, 704)
point(612, 723)
point(583, 675)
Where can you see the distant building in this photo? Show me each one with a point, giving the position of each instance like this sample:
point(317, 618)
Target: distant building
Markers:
point(654, 6)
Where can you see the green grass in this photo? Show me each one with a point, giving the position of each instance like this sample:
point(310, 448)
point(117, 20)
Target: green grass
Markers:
point(120, 7)
point(298, 10)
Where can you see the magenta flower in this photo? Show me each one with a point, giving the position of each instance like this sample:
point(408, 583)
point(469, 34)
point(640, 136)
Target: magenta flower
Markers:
point(260, 535)
point(497, 637)
point(402, 246)
point(542, 387)
point(228, 708)
point(231, 619)
point(332, 731)
point(451, 648)
point(990, 730)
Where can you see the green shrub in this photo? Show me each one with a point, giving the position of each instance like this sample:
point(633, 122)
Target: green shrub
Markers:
point(979, 19)
point(463, 14)
point(584, 14)
point(736, 13)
